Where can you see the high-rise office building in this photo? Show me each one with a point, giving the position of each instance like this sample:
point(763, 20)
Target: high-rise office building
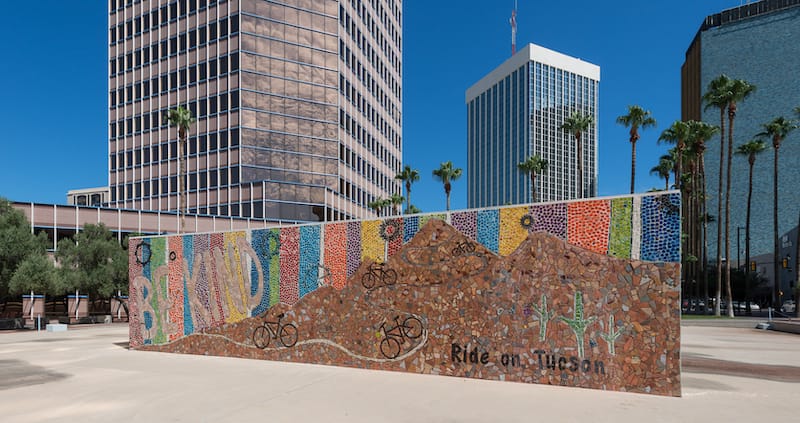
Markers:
point(298, 105)
point(756, 42)
point(516, 111)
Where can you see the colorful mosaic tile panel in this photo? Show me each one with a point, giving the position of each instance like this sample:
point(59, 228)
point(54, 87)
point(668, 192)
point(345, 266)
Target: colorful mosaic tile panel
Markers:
point(260, 241)
point(489, 229)
point(372, 245)
point(309, 259)
point(424, 219)
point(353, 247)
point(588, 223)
point(619, 244)
point(391, 230)
point(336, 253)
point(187, 257)
point(660, 222)
point(550, 218)
point(410, 227)
point(290, 265)
point(466, 222)
point(512, 231)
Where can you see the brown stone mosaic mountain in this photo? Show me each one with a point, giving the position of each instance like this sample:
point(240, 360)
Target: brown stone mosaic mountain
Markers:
point(549, 313)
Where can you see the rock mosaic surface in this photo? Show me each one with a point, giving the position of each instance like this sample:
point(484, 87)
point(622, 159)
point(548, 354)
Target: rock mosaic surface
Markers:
point(487, 296)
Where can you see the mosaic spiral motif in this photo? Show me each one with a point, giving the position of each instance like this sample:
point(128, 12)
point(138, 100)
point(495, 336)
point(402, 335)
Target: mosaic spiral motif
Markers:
point(185, 284)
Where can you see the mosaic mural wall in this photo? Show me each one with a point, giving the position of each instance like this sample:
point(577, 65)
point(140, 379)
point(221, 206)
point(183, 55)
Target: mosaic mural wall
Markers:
point(581, 293)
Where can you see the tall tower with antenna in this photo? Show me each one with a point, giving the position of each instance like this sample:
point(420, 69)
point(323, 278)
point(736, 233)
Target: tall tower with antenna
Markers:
point(513, 22)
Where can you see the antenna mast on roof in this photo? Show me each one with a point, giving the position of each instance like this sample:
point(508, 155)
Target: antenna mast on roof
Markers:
point(513, 22)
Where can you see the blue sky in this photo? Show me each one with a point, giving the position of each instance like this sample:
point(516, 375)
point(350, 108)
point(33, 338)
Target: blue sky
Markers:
point(53, 113)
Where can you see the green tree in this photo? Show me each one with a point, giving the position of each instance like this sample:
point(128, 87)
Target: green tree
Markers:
point(664, 169)
point(677, 134)
point(378, 205)
point(777, 130)
point(717, 96)
point(577, 124)
point(396, 200)
point(408, 176)
point(699, 134)
point(93, 262)
point(635, 119)
point(446, 173)
point(749, 150)
point(412, 209)
point(533, 166)
point(181, 118)
point(36, 273)
point(16, 243)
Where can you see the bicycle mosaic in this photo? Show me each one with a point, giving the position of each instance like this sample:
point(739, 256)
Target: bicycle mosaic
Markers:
point(545, 293)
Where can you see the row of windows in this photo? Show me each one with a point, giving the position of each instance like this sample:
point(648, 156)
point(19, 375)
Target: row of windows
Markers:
point(174, 80)
point(355, 194)
point(360, 102)
point(349, 58)
point(363, 167)
point(360, 134)
point(197, 145)
point(394, 34)
point(207, 106)
point(216, 178)
point(156, 17)
point(175, 45)
point(372, 56)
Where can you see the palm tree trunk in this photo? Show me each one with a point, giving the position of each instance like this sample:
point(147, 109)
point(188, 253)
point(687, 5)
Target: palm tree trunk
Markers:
point(408, 195)
point(447, 193)
point(704, 236)
point(633, 163)
point(181, 178)
point(581, 192)
point(747, 239)
point(666, 183)
point(776, 259)
point(731, 119)
point(718, 298)
point(533, 186)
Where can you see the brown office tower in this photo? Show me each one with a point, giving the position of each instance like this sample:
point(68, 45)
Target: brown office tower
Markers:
point(297, 105)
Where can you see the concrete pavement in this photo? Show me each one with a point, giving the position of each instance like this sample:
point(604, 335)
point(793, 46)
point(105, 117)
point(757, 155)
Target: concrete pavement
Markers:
point(88, 375)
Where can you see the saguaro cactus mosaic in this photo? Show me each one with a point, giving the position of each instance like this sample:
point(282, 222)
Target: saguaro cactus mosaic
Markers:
point(578, 324)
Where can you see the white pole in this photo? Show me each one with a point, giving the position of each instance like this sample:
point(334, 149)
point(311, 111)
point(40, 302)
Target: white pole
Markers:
point(31, 305)
point(76, 305)
point(119, 307)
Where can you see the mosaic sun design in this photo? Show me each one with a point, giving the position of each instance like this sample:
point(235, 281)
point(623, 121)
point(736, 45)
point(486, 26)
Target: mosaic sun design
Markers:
point(581, 293)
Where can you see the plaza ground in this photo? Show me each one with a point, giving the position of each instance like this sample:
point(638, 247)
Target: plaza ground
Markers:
point(731, 372)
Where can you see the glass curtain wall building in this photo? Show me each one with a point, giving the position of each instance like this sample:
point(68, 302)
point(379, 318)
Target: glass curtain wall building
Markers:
point(298, 105)
point(516, 111)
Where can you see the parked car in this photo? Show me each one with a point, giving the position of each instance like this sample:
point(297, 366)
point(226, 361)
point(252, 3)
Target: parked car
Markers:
point(788, 306)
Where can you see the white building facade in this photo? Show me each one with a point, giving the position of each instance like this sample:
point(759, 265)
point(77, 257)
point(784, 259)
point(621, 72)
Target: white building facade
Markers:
point(516, 111)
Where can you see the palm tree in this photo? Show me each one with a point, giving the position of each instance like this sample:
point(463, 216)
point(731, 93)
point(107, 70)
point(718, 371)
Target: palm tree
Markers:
point(577, 124)
point(533, 166)
point(378, 204)
point(409, 176)
point(717, 96)
point(396, 200)
point(699, 134)
point(412, 209)
point(635, 119)
point(750, 149)
point(739, 91)
point(777, 130)
point(676, 134)
point(447, 173)
point(663, 169)
point(181, 118)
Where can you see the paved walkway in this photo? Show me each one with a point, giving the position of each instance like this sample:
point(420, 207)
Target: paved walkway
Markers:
point(88, 375)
